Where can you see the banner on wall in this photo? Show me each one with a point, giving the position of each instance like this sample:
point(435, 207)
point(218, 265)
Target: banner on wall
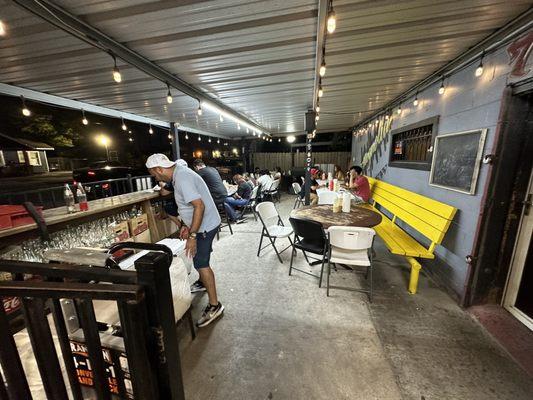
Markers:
point(520, 60)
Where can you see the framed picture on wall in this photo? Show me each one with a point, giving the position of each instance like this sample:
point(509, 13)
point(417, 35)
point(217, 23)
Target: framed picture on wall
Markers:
point(456, 160)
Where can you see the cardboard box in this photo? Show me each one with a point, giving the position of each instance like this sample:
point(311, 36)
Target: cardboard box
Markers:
point(143, 237)
point(121, 231)
point(138, 225)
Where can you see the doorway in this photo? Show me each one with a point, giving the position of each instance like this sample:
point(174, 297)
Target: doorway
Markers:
point(517, 298)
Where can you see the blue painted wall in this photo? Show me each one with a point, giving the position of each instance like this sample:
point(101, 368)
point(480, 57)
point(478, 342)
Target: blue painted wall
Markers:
point(469, 103)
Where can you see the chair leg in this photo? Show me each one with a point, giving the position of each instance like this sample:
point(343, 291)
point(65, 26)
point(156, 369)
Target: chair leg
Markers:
point(229, 225)
point(327, 279)
point(275, 249)
point(260, 242)
point(321, 271)
point(191, 324)
point(306, 259)
point(293, 250)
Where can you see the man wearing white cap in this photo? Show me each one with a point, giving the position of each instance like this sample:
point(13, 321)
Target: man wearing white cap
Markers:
point(201, 221)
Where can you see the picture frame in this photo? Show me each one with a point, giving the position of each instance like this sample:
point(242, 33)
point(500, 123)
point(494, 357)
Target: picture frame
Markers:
point(456, 160)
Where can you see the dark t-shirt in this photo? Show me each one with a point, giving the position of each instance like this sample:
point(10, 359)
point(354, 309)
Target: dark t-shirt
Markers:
point(244, 190)
point(214, 183)
point(313, 183)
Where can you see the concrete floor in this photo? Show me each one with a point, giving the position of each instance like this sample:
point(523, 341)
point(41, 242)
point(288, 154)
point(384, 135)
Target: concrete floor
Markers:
point(282, 338)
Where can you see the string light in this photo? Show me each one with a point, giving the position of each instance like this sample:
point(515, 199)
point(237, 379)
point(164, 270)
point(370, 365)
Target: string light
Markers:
point(2, 28)
point(209, 140)
point(199, 111)
point(218, 141)
point(399, 111)
point(442, 89)
point(322, 70)
point(84, 120)
point(238, 126)
point(247, 130)
point(317, 108)
point(221, 118)
point(117, 76)
point(169, 95)
point(386, 117)
point(199, 138)
point(317, 117)
point(332, 19)
point(25, 110)
point(320, 91)
point(130, 139)
point(415, 101)
point(169, 135)
point(279, 140)
point(253, 133)
point(186, 136)
point(124, 127)
point(479, 69)
point(150, 130)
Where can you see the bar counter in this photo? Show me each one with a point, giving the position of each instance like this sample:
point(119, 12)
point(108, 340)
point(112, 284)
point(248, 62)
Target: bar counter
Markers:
point(57, 219)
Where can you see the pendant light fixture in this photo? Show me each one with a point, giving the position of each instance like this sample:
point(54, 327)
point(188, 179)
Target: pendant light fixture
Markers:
point(150, 130)
point(117, 76)
point(124, 127)
point(169, 95)
point(332, 18)
point(479, 69)
point(84, 120)
point(25, 110)
point(442, 89)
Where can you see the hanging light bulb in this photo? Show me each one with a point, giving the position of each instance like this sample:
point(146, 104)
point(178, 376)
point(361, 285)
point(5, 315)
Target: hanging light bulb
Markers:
point(279, 140)
point(247, 130)
point(317, 108)
point(253, 133)
point(150, 131)
point(117, 76)
point(169, 95)
point(442, 89)
point(479, 69)
point(130, 139)
point(199, 111)
point(199, 138)
point(209, 140)
point(2, 28)
point(218, 141)
point(332, 19)
point(124, 127)
point(169, 135)
point(238, 126)
point(415, 101)
point(386, 117)
point(399, 111)
point(186, 136)
point(320, 91)
point(317, 117)
point(322, 70)
point(25, 110)
point(221, 118)
point(84, 120)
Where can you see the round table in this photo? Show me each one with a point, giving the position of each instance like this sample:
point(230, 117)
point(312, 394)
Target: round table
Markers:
point(358, 216)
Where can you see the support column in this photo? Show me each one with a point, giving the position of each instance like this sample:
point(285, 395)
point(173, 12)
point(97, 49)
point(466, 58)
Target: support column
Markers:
point(175, 141)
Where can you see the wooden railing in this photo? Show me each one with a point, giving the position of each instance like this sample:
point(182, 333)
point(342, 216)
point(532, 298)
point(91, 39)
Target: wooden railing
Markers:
point(144, 301)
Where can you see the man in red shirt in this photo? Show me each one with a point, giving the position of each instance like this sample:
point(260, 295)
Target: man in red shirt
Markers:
point(359, 184)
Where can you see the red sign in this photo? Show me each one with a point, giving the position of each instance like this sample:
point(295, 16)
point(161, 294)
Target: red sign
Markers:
point(11, 304)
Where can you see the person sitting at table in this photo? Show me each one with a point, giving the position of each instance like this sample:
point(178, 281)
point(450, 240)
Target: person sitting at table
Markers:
point(249, 179)
point(213, 181)
point(313, 197)
point(359, 184)
point(338, 174)
point(277, 174)
point(239, 199)
point(265, 181)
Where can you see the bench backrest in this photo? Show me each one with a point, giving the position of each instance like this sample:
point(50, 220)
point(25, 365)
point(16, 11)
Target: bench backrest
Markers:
point(429, 217)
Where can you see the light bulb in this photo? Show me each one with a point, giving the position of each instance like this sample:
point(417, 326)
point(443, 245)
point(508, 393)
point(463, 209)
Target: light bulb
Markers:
point(415, 102)
point(186, 136)
point(84, 121)
point(169, 97)
point(130, 139)
point(399, 111)
point(441, 89)
point(150, 131)
point(253, 133)
point(386, 116)
point(169, 136)
point(317, 117)
point(320, 91)
point(479, 69)
point(25, 111)
point(332, 21)
point(247, 130)
point(238, 126)
point(2, 28)
point(199, 138)
point(291, 138)
point(218, 141)
point(279, 140)
point(221, 118)
point(199, 110)
point(322, 70)
point(317, 108)
point(209, 140)
point(117, 77)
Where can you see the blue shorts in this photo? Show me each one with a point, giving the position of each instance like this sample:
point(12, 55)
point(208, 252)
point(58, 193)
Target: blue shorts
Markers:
point(204, 247)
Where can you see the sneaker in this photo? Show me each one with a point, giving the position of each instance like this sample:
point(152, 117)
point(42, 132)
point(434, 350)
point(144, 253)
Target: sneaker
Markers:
point(198, 286)
point(210, 314)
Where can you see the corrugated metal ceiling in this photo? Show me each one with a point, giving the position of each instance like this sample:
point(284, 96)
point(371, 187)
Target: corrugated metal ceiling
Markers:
point(257, 57)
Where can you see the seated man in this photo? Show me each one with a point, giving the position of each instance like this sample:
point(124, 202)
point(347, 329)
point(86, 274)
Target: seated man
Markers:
point(314, 186)
point(359, 185)
point(239, 199)
point(264, 181)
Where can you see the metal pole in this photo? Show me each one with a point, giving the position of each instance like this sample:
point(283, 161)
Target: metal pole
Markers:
point(308, 164)
point(175, 141)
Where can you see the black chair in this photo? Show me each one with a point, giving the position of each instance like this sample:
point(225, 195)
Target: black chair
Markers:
point(309, 237)
point(224, 219)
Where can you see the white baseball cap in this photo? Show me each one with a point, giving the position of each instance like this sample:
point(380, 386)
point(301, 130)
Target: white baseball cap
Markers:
point(159, 160)
point(180, 162)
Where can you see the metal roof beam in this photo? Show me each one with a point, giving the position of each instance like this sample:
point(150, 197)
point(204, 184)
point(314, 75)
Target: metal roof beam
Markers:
point(69, 23)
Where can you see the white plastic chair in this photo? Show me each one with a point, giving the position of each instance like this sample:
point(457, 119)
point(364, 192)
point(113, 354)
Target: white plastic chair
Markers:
point(296, 188)
point(273, 192)
point(351, 246)
point(273, 227)
point(326, 197)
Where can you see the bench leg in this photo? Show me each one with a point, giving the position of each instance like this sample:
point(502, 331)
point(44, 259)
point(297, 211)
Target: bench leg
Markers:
point(415, 272)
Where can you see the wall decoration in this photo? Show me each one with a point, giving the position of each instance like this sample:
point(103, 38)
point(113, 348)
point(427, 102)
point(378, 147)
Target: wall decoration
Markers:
point(456, 160)
point(382, 130)
point(519, 52)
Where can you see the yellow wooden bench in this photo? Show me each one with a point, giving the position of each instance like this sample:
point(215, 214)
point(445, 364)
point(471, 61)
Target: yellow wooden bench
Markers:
point(429, 217)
